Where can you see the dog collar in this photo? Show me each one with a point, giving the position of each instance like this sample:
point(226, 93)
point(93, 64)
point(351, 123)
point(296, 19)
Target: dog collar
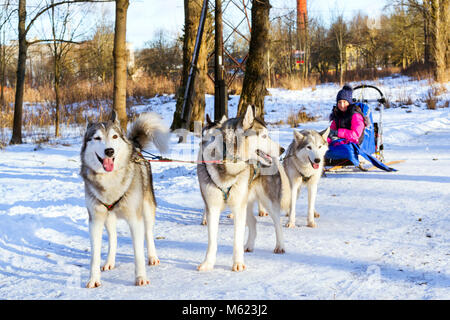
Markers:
point(109, 207)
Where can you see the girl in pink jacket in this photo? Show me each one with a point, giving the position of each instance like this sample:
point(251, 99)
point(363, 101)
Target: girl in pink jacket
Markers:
point(347, 119)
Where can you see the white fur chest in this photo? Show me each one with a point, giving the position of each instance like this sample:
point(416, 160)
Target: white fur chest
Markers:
point(306, 170)
point(109, 187)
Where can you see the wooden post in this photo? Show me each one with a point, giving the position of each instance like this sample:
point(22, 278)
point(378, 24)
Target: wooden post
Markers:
point(220, 90)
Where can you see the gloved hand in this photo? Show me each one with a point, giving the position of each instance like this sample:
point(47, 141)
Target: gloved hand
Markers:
point(333, 135)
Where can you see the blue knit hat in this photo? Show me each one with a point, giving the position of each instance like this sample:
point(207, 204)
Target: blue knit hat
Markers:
point(346, 93)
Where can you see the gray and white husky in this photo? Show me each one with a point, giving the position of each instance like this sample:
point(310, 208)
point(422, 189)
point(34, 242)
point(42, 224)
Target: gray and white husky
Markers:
point(118, 184)
point(242, 142)
point(303, 164)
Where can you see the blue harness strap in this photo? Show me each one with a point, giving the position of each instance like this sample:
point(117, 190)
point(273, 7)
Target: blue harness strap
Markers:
point(350, 151)
point(377, 163)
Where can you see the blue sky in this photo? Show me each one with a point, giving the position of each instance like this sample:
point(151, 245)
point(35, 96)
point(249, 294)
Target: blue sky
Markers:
point(147, 16)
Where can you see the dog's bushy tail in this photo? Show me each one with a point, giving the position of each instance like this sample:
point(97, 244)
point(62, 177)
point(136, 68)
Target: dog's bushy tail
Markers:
point(147, 128)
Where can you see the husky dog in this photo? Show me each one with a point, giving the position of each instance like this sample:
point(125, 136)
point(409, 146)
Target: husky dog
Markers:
point(208, 132)
point(240, 141)
point(303, 164)
point(118, 184)
point(273, 194)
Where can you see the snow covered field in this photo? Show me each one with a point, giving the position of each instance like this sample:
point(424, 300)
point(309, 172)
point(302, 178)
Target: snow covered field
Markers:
point(380, 235)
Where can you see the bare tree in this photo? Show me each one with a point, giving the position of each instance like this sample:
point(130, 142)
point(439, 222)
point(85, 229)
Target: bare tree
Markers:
point(254, 87)
point(60, 44)
point(340, 33)
point(23, 29)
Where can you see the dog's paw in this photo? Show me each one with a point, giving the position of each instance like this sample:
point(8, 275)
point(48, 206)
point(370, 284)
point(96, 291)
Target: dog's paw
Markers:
point(153, 261)
point(279, 250)
point(262, 213)
point(316, 214)
point(248, 249)
point(290, 225)
point(238, 267)
point(108, 266)
point(141, 281)
point(205, 267)
point(93, 284)
point(311, 224)
point(230, 216)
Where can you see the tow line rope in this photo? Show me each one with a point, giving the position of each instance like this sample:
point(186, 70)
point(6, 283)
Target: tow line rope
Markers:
point(156, 158)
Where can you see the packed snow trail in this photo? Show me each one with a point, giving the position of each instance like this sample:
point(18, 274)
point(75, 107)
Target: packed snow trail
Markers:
point(381, 235)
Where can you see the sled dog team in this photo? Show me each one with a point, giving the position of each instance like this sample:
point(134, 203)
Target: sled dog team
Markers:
point(118, 183)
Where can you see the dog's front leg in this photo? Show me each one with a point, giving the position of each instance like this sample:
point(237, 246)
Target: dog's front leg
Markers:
point(296, 185)
point(240, 216)
point(213, 216)
point(137, 234)
point(251, 223)
point(312, 192)
point(275, 215)
point(96, 223)
point(112, 239)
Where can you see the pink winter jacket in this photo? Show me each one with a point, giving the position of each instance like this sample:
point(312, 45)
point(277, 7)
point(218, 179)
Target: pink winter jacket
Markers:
point(353, 134)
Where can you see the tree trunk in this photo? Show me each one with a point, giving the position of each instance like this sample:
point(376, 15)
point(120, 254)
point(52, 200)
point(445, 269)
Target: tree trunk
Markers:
point(20, 82)
point(3, 73)
point(120, 63)
point(56, 72)
point(192, 14)
point(426, 33)
point(445, 27)
point(57, 101)
point(438, 47)
point(254, 86)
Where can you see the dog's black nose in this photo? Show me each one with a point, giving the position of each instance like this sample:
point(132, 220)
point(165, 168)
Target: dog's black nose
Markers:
point(282, 150)
point(316, 160)
point(109, 152)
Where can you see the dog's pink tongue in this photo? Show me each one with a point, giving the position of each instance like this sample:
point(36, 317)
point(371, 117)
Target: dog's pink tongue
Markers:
point(108, 164)
point(315, 165)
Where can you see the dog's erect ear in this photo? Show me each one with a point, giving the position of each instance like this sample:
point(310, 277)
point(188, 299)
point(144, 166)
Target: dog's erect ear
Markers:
point(325, 133)
point(249, 117)
point(114, 117)
point(208, 119)
point(224, 118)
point(298, 136)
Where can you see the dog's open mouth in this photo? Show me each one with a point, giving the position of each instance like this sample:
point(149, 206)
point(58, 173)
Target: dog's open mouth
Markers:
point(314, 165)
point(267, 159)
point(107, 163)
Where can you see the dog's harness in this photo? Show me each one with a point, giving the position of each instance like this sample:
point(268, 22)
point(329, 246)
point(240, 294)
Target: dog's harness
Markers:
point(304, 178)
point(109, 207)
point(226, 194)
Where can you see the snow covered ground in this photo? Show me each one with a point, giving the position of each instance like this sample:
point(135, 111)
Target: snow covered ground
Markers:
point(380, 235)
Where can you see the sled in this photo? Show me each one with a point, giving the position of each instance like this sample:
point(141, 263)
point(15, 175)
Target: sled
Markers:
point(341, 155)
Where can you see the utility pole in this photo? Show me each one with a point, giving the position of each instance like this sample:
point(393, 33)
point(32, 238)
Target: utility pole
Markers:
point(187, 108)
point(220, 88)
